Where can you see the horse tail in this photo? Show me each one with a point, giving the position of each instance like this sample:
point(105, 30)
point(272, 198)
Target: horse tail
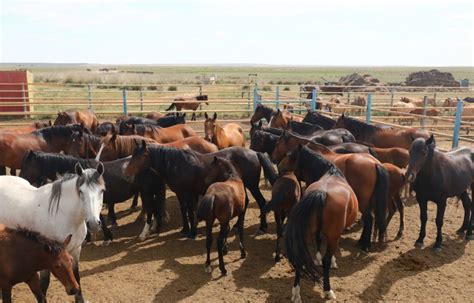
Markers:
point(381, 198)
point(373, 153)
point(205, 207)
point(268, 169)
point(171, 106)
point(297, 251)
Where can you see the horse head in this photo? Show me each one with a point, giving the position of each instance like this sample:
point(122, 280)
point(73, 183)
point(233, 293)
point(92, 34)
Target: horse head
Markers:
point(420, 151)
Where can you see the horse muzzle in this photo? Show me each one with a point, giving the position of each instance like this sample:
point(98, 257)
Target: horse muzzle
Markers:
point(93, 226)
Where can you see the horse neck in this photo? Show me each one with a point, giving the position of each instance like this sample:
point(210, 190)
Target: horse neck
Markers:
point(220, 138)
point(92, 144)
point(69, 204)
point(314, 167)
point(159, 156)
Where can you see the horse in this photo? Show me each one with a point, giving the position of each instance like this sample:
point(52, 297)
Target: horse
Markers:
point(316, 118)
point(159, 134)
point(259, 126)
point(191, 103)
point(286, 191)
point(303, 128)
point(50, 139)
point(328, 207)
point(280, 119)
point(83, 116)
point(223, 200)
point(436, 176)
point(225, 136)
point(23, 253)
point(378, 136)
point(170, 163)
point(106, 128)
point(263, 142)
point(262, 111)
point(26, 129)
point(365, 174)
point(164, 122)
point(154, 115)
point(67, 206)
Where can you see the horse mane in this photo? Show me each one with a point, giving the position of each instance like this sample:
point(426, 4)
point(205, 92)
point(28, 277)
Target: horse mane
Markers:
point(58, 130)
point(57, 162)
point(320, 116)
point(127, 144)
point(307, 158)
point(56, 247)
point(166, 156)
point(358, 128)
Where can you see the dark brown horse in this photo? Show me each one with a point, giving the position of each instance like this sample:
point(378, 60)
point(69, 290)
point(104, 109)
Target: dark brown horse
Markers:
point(365, 174)
point(225, 199)
point(316, 118)
point(225, 136)
point(83, 116)
point(191, 103)
point(261, 111)
point(159, 134)
point(437, 176)
point(23, 253)
point(378, 136)
point(328, 207)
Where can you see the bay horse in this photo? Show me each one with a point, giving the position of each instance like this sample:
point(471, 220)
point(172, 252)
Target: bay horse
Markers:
point(26, 129)
point(154, 115)
point(263, 142)
point(106, 128)
point(82, 116)
point(68, 206)
point(379, 136)
point(159, 134)
point(286, 191)
point(171, 163)
point(225, 198)
point(437, 176)
point(314, 117)
point(191, 103)
point(23, 253)
point(365, 174)
point(280, 119)
point(262, 112)
point(50, 139)
point(328, 207)
point(225, 136)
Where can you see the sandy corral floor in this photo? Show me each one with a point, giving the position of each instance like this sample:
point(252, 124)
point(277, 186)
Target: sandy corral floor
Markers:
point(169, 268)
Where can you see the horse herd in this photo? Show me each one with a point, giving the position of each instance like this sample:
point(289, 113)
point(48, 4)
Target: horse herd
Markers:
point(67, 170)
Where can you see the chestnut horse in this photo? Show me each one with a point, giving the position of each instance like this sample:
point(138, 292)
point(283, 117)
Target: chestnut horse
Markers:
point(328, 207)
point(82, 116)
point(225, 136)
point(378, 136)
point(365, 174)
point(23, 253)
point(191, 103)
point(225, 199)
point(159, 134)
point(280, 119)
point(154, 116)
point(25, 129)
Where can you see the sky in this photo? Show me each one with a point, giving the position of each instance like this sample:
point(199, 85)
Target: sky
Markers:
point(277, 32)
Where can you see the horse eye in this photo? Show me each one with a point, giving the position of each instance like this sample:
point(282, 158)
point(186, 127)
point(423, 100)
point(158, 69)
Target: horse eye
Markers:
point(80, 192)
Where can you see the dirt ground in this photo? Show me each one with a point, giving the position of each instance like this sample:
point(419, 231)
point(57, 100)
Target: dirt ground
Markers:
point(168, 268)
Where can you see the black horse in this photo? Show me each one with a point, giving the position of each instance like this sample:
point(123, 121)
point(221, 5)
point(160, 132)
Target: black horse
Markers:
point(165, 121)
point(437, 176)
point(316, 118)
point(263, 142)
point(185, 172)
point(259, 126)
point(304, 128)
point(262, 111)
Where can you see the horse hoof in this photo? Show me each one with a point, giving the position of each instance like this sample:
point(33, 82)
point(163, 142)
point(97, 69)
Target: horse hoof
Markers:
point(184, 231)
point(437, 250)
point(141, 238)
point(418, 244)
point(469, 237)
point(243, 255)
point(208, 269)
point(399, 235)
point(224, 272)
point(106, 243)
point(330, 295)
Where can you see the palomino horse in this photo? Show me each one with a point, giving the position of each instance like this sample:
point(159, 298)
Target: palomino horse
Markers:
point(23, 253)
point(280, 119)
point(316, 118)
point(170, 163)
point(191, 103)
point(70, 205)
point(50, 139)
point(225, 136)
point(159, 134)
point(225, 199)
point(365, 174)
point(83, 116)
point(436, 176)
point(328, 207)
point(378, 136)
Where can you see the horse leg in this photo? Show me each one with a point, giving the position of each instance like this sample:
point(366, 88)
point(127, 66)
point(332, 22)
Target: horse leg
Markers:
point(319, 260)
point(111, 215)
point(106, 231)
point(184, 216)
point(279, 228)
point(135, 201)
point(6, 295)
point(261, 203)
point(12, 172)
point(220, 246)
point(45, 277)
point(423, 204)
point(3, 170)
point(78, 298)
point(192, 201)
point(240, 226)
point(439, 224)
point(295, 291)
point(466, 203)
point(209, 224)
point(367, 220)
point(327, 260)
point(34, 285)
point(401, 210)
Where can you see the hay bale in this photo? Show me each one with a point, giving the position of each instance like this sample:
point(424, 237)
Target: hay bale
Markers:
point(431, 78)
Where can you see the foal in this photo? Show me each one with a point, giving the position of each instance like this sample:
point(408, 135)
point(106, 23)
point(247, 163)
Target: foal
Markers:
point(223, 201)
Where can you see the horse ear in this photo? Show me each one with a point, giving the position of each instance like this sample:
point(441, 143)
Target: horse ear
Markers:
point(100, 168)
point(78, 169)
point(206, 116)
point(431, 140)
point(214, 117)
point(48, 249)
point(144, 144)
point(67, 240)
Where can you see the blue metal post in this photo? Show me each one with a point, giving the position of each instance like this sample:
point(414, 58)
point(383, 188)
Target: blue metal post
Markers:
point(124, 98)
point(368, 112)
point(425, 104)
point(255, 98)
point(457, 124)
point(277, 97)
point(314, 95)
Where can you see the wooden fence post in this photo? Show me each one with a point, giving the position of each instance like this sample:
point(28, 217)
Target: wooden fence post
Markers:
point(124, 99)
point(277, 97)
point(368, 112)
point(23, 95)
point(89, 95)
point(141, 99)
point(425, 104)
point(457, 123)
point(314, 95)
point(391, 97)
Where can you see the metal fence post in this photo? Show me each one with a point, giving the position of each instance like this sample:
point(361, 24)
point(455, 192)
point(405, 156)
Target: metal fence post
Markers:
point(314, 95)
point(141, 99)
point(457, 123)
point(425, 104)
point(124, 98)
point(391, 97)
point(277, 97)
point(434, 96)
point(89, 95)
point(255, 98)
point(368, 112)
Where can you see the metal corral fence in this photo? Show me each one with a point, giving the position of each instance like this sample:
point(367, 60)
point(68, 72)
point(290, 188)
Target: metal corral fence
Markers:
point(236, 102)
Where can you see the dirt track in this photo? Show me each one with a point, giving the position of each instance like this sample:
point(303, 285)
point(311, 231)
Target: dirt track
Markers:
point(168, 268)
